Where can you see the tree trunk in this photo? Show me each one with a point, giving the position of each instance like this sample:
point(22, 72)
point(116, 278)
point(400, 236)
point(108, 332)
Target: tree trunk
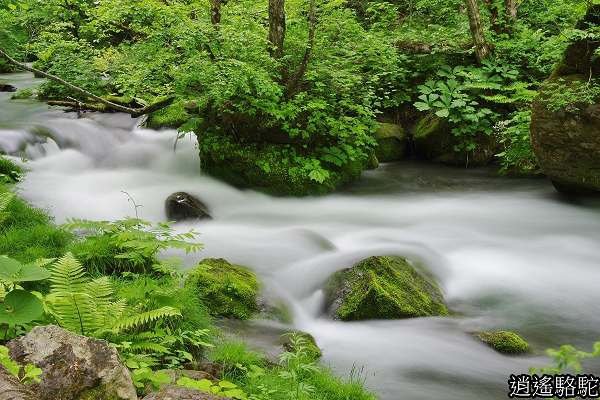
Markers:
point(494, 15)
point(215, 12)
point(482, 49)
point(295, 80)
point(511, 10)
point(276, 27)
point(135, 112)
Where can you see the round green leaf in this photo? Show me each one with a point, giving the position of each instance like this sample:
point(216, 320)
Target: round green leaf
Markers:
point(20, 307)
point(13, 271)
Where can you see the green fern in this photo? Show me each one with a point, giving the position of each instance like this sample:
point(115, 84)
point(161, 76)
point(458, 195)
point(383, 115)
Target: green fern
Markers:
point(87, 306)
point(5, 199)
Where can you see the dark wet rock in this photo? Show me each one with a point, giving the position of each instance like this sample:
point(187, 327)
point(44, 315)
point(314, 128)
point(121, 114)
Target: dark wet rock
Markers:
point(383, 288)
point(74, 367)
point(5, 87)
point(12, 389)
point(180, 393)
point(567, 142)
point(392, 142)
point(433, 140)
point(505, 342)
point(181, 206)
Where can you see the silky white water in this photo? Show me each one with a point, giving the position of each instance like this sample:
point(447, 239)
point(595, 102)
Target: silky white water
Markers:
point(509, 254)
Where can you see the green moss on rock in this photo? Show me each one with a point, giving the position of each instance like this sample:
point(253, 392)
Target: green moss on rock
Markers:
point(505, 342)
point(391, 142)
point(303, 342)
point(228, 290)
point(383, 288)
point(277, 169)
point(172, 116)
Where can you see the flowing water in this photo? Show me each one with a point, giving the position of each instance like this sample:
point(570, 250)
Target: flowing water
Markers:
point(508, 253)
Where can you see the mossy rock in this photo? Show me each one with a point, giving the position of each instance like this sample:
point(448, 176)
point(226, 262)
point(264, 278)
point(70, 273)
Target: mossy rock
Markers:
point(23, 94)
point(567, 142)
point(383, 288)
point(228, 290)
point(172, 116)
point(433, 140)
point(304, 342)
point(505, 342)
point(392, 142)
point(275, 169)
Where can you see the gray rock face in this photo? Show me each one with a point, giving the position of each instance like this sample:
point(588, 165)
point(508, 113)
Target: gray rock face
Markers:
point(181, 393)
point(74, 367)
point(181, 206)
point(12, 389)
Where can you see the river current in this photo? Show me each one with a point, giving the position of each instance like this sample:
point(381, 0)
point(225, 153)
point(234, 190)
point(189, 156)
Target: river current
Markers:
point(508, 253)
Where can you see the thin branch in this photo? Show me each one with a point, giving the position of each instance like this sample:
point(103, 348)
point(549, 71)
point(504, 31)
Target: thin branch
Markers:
point(135, 112)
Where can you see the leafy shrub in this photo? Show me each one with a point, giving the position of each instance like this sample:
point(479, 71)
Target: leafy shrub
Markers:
point(129, 245)
point(9, 171)
point(517, 156)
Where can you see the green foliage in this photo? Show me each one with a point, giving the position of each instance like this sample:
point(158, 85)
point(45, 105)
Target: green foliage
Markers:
point(236, 358)
point(517, 157)
point(87, 306)
point(567, 358)
point(144, 378)
point(227, 289)
point(222, 388)
point(9, 171)
point(27, 374)
point(130, 245)
point(470, 98)
point(569, 96)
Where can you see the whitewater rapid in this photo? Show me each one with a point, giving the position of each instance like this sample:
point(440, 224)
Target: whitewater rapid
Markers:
point(508, 253)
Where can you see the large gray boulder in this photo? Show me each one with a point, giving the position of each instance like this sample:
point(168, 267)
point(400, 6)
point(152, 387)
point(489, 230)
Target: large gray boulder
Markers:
point(180, 393)
point(74, 367)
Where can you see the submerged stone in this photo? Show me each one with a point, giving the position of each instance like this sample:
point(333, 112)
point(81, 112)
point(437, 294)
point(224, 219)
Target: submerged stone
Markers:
point(392, 142)
point(505, 342)
point(383, 288)
point(228, 290)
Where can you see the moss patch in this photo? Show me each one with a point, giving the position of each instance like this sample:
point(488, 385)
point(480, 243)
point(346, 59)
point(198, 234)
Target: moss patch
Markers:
point(302, 342)
point(391, 142)
point(505, 342)
point(383, 288)
point(172, 116)
point(227, 290)
point(277, 169)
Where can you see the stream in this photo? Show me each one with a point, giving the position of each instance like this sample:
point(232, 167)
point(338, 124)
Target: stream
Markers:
point(508, 253)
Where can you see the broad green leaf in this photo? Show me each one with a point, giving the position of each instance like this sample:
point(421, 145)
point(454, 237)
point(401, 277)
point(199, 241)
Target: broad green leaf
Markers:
point(12, 271)
point(20, 307)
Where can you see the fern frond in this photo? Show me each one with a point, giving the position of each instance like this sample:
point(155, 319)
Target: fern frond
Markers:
point(68, 276)
point(5, 199)
point(140, 347)
point(138, 320)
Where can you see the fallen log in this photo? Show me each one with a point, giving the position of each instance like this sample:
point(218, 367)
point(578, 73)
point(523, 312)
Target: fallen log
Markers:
point(135, 112)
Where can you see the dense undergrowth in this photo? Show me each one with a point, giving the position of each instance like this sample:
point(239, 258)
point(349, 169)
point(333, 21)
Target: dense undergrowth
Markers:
point(105, 280)
point(302, 120)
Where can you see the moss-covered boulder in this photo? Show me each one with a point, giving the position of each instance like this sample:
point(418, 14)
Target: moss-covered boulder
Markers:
point(392, 142)
point(565, 124)
point(433, 140)
point(172, 117)
point(274, 168)
point(383, 288)
point(301, 342)
point(228, 290)
point(505, 342)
